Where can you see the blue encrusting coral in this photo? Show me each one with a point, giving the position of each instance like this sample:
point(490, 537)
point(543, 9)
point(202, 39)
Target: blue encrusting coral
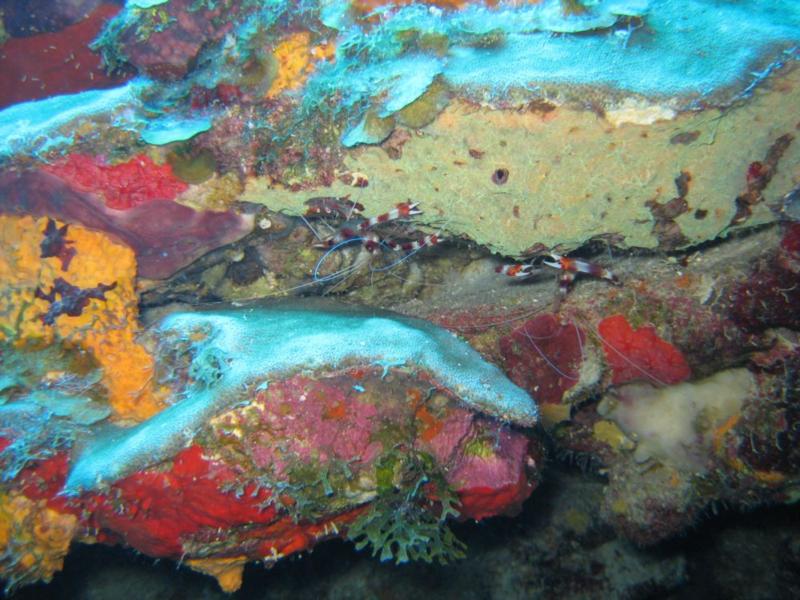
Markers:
point(233, 348)
point(688, 51)
point(660, 48)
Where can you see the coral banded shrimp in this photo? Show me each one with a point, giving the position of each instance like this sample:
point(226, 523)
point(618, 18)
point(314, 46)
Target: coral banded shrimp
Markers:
point(569, 269)
point(356, 245)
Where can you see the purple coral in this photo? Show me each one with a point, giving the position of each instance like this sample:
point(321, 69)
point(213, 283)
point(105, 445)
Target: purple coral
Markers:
point(56, 245)
point(73, 299)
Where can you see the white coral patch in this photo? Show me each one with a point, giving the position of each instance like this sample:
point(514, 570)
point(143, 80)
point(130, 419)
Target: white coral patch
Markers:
point(675, 425)
point(639, 113)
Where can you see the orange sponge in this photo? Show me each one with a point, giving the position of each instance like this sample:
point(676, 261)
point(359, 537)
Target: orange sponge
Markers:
point(94, 306)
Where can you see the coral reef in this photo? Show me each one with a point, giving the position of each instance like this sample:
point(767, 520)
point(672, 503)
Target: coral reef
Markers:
point(234, 347)
point(671, 402)
point(282, 463)
point(430, 110)
point(592, 260)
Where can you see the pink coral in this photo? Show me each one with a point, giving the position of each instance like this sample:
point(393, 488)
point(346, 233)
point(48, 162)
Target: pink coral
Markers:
point(327, 424)
point(496, 482)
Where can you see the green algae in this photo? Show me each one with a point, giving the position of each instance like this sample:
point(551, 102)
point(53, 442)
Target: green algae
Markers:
point(400, 524)
point(316, 488)
point(259, 72)
point(155, 18)
point(192, 167)
point(424, 110)
point(480, 447)
point(372, 129)
point(385, 471)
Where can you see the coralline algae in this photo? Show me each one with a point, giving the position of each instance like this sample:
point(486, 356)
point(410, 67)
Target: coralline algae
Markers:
point(238, 346)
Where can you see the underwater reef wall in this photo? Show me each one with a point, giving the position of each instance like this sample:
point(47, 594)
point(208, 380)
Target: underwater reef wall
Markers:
point(402, 155)
point(639, 146)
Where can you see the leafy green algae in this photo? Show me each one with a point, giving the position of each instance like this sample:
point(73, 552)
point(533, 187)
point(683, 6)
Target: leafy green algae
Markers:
point(401, 523)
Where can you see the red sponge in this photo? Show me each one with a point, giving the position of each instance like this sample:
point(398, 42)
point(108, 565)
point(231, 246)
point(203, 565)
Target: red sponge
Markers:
point(640, 354)
point(122, 186)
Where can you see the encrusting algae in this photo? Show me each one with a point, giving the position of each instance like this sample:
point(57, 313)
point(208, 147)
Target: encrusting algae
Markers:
point(296, 59)
point(76, 286)
point(34, 537)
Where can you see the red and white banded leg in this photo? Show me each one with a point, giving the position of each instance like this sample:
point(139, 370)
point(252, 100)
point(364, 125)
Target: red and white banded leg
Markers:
point(516, 270)
point(574, 265)
point(425, 241)
point(401, 211)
